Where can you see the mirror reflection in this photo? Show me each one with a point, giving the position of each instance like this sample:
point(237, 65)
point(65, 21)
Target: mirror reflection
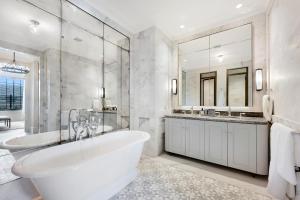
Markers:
point(216, 70)
point(54, 60)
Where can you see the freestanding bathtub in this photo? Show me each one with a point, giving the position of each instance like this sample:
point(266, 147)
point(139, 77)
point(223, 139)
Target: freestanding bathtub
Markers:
point(91, 169)
point(21, 146)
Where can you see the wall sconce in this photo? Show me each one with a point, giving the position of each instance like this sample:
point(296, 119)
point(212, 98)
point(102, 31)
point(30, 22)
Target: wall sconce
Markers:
point(174, 86)
point(259, 79)
point(102, 92)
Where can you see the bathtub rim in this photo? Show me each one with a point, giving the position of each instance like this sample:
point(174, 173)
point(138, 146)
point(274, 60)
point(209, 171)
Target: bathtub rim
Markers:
point(4, 144)
point(18, 171)
point(65, 136)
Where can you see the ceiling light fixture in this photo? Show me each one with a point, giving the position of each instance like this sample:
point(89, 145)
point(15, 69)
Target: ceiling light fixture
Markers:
point(181, 26)
point(14, 68)
point(34, 26)
point(239, 5)
point(220, 58)
point(77, 39)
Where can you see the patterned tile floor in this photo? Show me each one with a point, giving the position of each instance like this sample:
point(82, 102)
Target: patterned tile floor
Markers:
point(6, 162)
point(161, 179)
point(171, 177)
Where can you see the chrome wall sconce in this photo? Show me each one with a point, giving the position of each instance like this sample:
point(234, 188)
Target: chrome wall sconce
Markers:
point(259, 79)
point(102, 92)
point(174, 86)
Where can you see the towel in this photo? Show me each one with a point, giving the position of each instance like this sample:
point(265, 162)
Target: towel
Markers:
point(298, 187)
point(297, 149)
point(267, 104)
point(297, 159)
point(282, 167)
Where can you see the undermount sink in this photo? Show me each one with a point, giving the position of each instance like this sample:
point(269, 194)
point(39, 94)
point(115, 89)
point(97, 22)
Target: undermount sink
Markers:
point(228, 117)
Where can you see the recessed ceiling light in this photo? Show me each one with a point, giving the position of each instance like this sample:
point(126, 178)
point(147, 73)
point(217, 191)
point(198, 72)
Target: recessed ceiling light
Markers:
point(239, 5)
point(181, 26)
point(185, 60)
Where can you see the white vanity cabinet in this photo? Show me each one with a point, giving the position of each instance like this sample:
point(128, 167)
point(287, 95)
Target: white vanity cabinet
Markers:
point(195, 139)
point(216, 142)
point(175, 136)
point(238, 145)
point(242, 146)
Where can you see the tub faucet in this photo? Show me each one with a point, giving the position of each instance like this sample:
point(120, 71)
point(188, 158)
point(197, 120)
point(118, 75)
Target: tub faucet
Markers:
point(69, 122)
point(79, 134)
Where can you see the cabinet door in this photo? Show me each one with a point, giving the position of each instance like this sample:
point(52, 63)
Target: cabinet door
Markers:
point(242, 146)
point(262, 134)
point(175, 135)
point(195, 139)
point(216, 142)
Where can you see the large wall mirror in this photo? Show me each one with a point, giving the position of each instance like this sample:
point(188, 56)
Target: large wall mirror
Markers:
point(55, 62)
point(216, 70)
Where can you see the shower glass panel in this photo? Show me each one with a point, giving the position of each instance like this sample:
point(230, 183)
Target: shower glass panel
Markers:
point(31, 31)
point(81, 67)
point(24, 31)
point(71, 56)
point(116, 79)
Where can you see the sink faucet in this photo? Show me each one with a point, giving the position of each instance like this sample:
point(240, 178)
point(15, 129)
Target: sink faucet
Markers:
point(229, 111)
point(192, 110)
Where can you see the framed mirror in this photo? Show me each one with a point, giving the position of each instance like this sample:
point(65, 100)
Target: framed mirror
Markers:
point(216, 70)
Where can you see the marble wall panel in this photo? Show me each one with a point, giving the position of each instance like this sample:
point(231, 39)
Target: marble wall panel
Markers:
point(152, 55)
point(284, 55)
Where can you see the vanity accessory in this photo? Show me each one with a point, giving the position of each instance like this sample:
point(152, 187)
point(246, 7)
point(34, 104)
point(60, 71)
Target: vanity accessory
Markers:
point(174, 86)
point(259, 79)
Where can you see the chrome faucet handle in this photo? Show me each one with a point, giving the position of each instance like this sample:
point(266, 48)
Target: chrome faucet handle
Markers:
point(229, 111)
point(192, 110)
point(242, 114)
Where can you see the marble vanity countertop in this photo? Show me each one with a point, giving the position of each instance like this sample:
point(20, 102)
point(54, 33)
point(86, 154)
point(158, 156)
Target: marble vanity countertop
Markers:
point(234, 119)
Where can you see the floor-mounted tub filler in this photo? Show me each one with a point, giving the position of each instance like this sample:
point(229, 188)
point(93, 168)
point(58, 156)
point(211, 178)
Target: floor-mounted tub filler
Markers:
point(90, 169)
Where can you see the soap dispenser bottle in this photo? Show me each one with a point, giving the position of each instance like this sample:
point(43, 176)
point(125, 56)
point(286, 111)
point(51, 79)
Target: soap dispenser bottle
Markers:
point(201, 111)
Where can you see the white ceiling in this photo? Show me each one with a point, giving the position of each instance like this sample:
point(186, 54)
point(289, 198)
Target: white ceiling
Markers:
point(80, 36)
point(169, 15)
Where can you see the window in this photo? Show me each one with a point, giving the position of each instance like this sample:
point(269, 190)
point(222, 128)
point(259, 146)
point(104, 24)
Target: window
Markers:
point(11, 93)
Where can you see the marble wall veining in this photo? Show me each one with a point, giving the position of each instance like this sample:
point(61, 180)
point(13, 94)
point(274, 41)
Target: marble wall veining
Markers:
point(80, 80)
point(284, 58)
point(152, 57)
point(50, 91)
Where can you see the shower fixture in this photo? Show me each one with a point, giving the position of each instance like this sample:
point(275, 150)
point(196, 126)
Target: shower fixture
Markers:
point(14, 68)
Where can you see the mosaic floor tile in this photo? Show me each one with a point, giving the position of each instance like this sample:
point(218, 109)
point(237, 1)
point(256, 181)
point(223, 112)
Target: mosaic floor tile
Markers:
point(6, 162)
point(158, 180)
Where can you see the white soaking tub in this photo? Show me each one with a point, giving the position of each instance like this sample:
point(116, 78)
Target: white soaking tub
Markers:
point(91, 169)
point(23, 145)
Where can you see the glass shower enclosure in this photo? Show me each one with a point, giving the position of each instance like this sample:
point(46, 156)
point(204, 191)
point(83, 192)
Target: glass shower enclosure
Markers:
point(94, 71)
point(78, 65)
